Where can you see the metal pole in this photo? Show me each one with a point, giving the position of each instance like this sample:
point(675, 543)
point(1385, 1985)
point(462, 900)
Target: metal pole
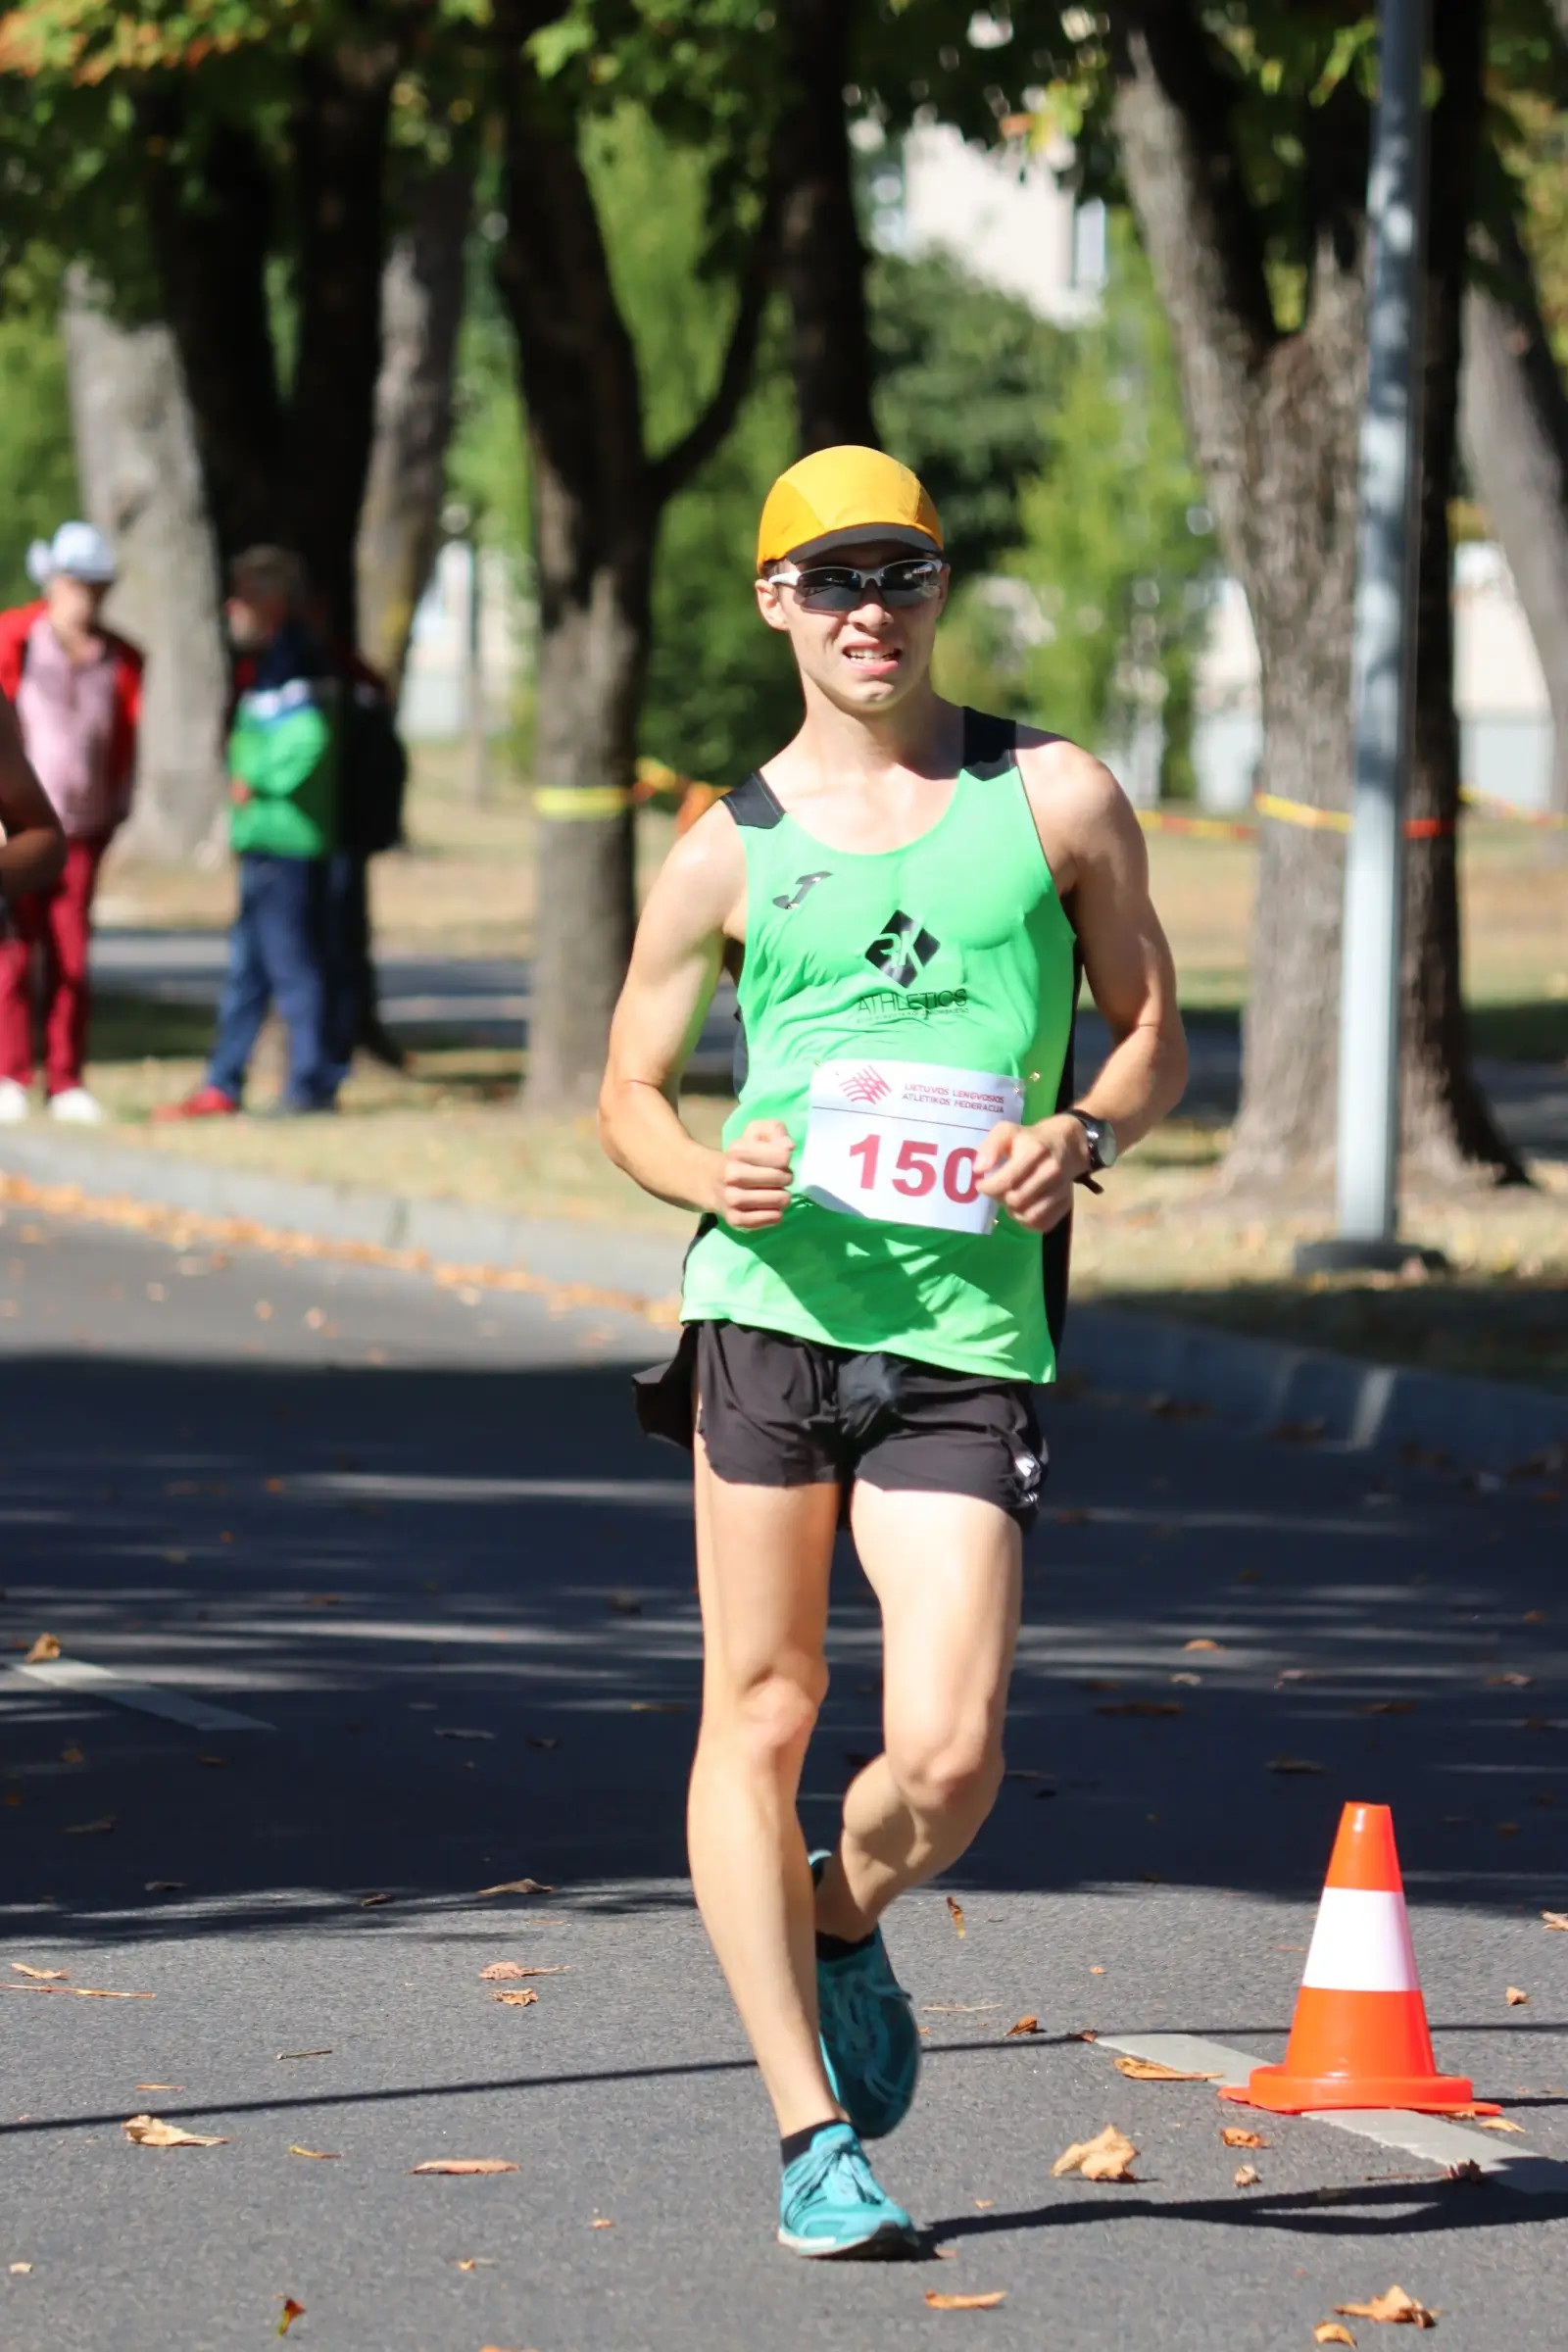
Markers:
point(1383, 669)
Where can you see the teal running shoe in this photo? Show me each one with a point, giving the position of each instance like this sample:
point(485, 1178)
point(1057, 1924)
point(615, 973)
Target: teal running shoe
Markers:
point(870, 2042)
point(830, 2205)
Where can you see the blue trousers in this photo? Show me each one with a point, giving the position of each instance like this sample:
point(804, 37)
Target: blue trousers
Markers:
point(348, 951)
point(277, 955)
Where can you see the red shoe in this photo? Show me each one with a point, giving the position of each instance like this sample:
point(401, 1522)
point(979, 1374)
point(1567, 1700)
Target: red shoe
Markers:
point(206, 1103)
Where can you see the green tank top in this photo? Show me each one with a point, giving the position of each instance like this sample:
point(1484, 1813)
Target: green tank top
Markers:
point(953, 950)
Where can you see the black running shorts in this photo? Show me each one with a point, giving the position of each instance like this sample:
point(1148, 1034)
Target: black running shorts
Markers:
point(778, 1411)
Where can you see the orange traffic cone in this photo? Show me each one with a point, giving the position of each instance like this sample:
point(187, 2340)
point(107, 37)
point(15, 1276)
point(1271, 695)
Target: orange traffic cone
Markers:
point(1359, 2036)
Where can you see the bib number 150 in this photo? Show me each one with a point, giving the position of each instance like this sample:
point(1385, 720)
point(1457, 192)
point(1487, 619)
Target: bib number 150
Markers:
point(915, 1171)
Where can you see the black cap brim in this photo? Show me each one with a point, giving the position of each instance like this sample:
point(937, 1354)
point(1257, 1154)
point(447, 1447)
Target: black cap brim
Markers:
point(888, 534)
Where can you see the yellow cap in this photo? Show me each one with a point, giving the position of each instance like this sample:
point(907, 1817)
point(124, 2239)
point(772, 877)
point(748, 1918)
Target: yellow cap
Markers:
point(836, 496)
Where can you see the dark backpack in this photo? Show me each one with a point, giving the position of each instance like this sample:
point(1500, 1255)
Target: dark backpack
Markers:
point(372, 770)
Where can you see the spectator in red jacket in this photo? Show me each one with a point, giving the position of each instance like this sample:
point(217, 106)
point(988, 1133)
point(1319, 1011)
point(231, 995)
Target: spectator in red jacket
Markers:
point(76, 690)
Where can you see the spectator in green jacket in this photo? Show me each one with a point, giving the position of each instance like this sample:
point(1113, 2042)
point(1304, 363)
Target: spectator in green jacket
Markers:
point(282, 762)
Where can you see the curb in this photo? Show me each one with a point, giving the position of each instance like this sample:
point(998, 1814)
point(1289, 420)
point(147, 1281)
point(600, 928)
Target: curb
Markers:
point(1255, 1386)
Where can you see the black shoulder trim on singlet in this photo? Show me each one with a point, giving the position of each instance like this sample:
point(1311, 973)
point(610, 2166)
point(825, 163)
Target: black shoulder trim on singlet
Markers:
point(753, 803)
point(989, 744)
point(1056, 1258)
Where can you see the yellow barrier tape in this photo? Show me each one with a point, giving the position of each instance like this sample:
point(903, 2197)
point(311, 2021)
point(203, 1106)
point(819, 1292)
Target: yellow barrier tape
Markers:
point(582, 800)
point(1300, 812)
point(1198, 829)
point(1552, 820)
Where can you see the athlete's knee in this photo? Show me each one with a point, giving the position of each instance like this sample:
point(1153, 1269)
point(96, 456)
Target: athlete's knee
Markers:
point(954, 1771)
point(769, 1718)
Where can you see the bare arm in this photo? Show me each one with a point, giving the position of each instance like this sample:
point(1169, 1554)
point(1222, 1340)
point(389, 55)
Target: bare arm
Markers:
point(1097, 853)
point(34, 850)
point(694, 905)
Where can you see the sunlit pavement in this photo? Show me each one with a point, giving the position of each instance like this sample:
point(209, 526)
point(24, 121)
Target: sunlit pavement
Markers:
point(410, 1534)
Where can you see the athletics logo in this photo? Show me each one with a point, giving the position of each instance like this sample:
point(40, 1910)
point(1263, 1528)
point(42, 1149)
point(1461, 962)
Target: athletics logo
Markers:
point(866, 1086)
point(802, 883)
point(902, 951)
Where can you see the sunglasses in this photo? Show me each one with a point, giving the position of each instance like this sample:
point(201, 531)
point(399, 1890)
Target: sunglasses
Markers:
point(842, 587)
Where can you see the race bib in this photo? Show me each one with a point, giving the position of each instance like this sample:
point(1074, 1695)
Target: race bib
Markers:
point(896, 1141)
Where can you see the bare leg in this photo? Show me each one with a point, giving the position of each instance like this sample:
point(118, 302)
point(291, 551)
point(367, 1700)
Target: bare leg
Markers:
point(762, 1560)
point(947, 1571)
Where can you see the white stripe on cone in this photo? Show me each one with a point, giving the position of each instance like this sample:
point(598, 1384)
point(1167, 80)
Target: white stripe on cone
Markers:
point(1361, 1943)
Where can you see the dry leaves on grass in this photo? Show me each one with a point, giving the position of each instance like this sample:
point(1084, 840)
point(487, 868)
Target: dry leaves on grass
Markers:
point(518, 1886)
point(938, 2302)
point(321, 2155)
point(504, 1972)
point(44, 1650)
point(1396, 2308)
point(1558, 1919)
point(1108, 2156)
point(956, 1914)
point(150, 2132)
point(1236, 2136)
point(1149, 2070)
point(41, 1975)
point(465, 2164)
point(518, 2000)
point(1295, 1764)
point(1023, 2024)
point(1329, 2332)
point(292, 2311)
point(1247, 2176)
point(1515, 1998)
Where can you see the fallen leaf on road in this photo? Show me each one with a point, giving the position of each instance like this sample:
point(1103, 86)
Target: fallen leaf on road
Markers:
point(150, 2132)
point(164, 1887)
point(79, 1992)
point(1024, 2025)
point(624, 1605)
point(1202, 1643)
point(452, 1733)
point(465, 2164)
point(1329, 2332)
point(1515, 1998)
point(323, 1600)
point(1085, 2034)
point(216, 1763)
point(159, 2087)
point(1149, 2070)
point(43, 1975)
point(1107, 2157)
point(91, 1829)
point(600, 2221)
point(1097, 1970)
point(516, 2001)
point(1395, 2307)
point(1509, 1681)
point(326, 2053)
point(505, 1971)
point(1558, 1919)
point(1247, 2176)
point(956, 1914)
point(1497, 2123)
point(518, 1886)
point(657, 1706)
point(1142, 1706)
point(1535, 1617)
point(373, 1902)
point(292, 2311)
point(71, 1755)
point(1387, 1706)
point(1191, 1681)
point(983, 2204)
point(1236, 2136)
point(965, 2302)
point(322, 2155)
point(1100, 1682)
point(1291, 1764)
point(18, 2269)
point(1071, 1516)
point(45, 1649)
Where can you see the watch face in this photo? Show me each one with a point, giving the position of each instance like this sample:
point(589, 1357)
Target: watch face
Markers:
point(1105, 1142)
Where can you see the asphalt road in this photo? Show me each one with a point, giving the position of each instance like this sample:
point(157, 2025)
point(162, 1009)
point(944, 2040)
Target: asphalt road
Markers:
point(412, 1533)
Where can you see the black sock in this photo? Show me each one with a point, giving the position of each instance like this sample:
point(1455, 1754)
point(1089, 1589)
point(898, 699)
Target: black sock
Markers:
point(838, 1947)
point(796, 2144)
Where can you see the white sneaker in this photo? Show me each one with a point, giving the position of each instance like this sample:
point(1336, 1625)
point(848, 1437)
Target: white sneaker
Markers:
point(15, 1103)
point(77, 1108)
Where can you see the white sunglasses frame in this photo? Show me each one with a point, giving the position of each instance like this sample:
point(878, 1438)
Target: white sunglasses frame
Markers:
point(790, 575)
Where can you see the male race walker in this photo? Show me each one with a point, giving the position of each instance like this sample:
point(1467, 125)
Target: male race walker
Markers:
point(913, 888)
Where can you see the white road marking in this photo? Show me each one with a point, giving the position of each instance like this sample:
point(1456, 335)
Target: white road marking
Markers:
point(1429, 2137)
point(148, 1698)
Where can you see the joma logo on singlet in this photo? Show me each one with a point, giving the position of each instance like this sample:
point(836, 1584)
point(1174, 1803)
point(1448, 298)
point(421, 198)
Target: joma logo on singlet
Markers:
point(902, 951)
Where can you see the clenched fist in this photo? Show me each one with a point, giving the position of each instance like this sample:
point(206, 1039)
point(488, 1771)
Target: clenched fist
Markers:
point(754, 1181)
point(1032, 1170)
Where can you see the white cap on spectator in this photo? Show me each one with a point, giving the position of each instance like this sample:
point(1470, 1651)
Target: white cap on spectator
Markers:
point(76, 549)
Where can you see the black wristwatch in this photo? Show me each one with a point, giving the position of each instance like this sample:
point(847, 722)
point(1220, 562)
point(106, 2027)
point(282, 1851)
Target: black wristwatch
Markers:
point(1102, 1147)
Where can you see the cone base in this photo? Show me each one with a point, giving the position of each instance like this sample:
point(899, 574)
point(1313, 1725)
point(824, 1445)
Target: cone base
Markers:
point(1282, 2093)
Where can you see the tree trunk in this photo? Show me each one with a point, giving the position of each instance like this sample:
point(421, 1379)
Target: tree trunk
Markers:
point(141, 481)
point(1447, 1124)
point(823, 260)
point(1515, 423)
point(342, 108)
point(1275, 418)
point(422, 311)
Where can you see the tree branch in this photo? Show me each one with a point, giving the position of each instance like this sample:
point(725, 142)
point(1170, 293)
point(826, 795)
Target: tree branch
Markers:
point(672, 471)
